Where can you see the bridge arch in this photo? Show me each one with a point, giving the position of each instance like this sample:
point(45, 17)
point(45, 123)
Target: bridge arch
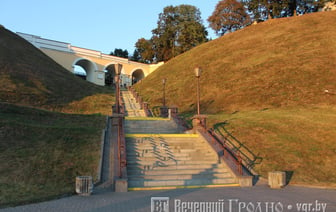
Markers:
point(137, 75)
point(110, 73)
point(89, 67)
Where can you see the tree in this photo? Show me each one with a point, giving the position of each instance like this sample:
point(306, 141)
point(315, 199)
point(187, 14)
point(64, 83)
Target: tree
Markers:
point(178, 30)
point(268, 9)
point(191, 31)
point(229, 15)
point(145, 50)
point(120, 53)
point(136, 56)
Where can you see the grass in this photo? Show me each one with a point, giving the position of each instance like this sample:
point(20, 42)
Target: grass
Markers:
point(42, 152)
point(45, 140)
point(298, 140)
point(277, 63)
point(269, 81)
point(95, 104)
point(29, 77)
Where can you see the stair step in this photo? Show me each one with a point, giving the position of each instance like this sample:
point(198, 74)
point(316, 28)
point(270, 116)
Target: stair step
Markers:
point(175, 171)
point(150, 148)
point(175, 155)
point(181, 176)
point(174, 167)
point(167, 142)
point(172, 157)
point(169, 146)
point(170, 162)
point(190, 148)
point(182, 139)
point(149, 183)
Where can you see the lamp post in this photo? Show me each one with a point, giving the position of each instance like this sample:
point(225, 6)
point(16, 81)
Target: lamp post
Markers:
point(117, 68)
point(198, 71)
point(164, 80)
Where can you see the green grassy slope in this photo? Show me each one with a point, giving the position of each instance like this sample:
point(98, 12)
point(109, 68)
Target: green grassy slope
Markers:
point(299, 140)
point(29, 77)
point(41, 152)
point(267, 82)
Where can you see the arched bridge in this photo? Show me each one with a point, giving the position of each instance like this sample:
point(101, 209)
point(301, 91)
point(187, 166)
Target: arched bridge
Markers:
point(96, 64)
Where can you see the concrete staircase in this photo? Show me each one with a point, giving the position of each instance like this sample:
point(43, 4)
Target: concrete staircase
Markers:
point(151, 126)
point(161, 156)
point(174, 161)
point(133, 109)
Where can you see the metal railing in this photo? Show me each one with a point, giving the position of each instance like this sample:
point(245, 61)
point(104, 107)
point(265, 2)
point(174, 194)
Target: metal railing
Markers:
point(121, 149)
point(121, 137)
point(234, 146)
point(138, 99)
point(232, 158)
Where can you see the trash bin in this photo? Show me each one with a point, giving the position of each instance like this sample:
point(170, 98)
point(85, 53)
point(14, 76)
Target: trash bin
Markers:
point(84, 185)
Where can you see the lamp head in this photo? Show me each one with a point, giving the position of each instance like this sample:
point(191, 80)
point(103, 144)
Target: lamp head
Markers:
point(198, 71)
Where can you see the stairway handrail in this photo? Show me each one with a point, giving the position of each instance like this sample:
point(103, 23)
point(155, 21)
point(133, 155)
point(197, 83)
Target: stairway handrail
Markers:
point(122, 172)
point(228, 140)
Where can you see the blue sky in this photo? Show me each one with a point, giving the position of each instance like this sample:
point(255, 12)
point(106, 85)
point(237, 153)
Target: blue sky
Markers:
point(101, 25)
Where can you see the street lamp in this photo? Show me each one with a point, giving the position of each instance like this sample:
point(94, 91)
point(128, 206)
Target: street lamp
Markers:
point(164, 80)
point(198, 71)
point(117, 68)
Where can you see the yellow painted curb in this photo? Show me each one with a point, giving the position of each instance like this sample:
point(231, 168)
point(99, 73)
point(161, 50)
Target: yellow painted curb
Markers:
point(146, 118)
point(177, 187)
point(162, 135)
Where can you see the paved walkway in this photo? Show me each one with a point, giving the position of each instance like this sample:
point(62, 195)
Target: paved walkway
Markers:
point(233, 199)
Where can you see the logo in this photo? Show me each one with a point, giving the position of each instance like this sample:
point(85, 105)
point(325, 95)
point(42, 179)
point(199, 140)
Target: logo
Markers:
point(159, 204)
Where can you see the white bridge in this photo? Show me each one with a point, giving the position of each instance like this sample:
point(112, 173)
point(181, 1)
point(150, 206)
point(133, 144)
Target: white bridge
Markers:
point(96, 64)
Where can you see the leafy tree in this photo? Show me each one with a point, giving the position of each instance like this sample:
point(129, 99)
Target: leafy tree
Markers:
point(178, 30)
point(229, 15)
point(145, 50)
point(191, 31)
point(136, 56)
point(120, 53)
point(268, 9)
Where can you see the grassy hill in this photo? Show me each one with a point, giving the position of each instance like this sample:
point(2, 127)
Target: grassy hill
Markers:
point(41, 151)
point(278, 63)
point(29, 77)
point(267, 82)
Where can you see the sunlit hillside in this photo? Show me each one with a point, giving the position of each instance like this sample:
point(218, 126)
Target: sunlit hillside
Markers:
point(278, 63)
point(272, 86)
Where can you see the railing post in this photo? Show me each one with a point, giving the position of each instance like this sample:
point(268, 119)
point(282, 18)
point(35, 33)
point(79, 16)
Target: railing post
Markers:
point(199, 122)
point(240, 165)
point(140, 101)
point(145, 108)
point(174, 111)
point(164, 112)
